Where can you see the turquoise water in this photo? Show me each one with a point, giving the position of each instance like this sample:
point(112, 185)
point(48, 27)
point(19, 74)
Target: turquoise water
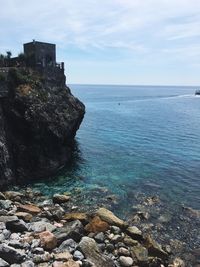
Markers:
point(136, 139)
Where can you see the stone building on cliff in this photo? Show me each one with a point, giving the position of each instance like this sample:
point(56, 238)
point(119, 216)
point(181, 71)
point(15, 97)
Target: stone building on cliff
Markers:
point(39, 55)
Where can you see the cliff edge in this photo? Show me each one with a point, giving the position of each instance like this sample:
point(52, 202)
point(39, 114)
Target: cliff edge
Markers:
point(39, 118)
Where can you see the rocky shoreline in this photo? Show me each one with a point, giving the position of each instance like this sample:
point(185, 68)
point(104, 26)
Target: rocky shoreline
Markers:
point(40, 231)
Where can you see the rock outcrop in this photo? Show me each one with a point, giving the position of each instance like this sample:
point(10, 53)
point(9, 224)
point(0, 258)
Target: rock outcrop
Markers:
point(38, 122)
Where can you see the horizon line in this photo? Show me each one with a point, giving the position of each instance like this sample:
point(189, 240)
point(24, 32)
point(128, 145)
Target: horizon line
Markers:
point(149, 85)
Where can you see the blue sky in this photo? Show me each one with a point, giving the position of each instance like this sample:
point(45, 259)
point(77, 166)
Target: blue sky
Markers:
point(153, 42)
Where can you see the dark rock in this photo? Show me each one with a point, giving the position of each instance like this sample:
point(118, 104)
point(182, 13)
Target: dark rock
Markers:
point(16, 226)
point(15, 244)
point(110, 247)
point(91, 252)
point(72, 230)
point(99, 237)
point(11, 255)
point(69, 245)
point(2, 196)
point(38, 120)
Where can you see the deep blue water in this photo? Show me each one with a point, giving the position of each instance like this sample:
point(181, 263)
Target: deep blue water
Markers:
point(136, 138)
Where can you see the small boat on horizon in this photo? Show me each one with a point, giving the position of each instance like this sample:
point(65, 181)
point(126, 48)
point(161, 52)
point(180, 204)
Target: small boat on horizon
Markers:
point(197, 92)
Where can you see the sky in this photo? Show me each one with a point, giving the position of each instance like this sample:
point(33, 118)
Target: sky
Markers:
point(133, 42)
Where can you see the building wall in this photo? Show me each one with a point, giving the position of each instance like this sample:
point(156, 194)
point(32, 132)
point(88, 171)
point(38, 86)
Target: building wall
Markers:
point(43, 54)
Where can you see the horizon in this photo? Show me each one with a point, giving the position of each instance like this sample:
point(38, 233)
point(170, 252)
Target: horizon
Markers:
point(111, 42)
point(131, 85)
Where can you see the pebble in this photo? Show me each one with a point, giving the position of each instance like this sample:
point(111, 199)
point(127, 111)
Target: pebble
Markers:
point(78, 255)
point(125, 261)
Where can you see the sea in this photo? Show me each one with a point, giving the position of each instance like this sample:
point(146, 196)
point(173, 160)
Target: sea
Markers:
point(134, 141)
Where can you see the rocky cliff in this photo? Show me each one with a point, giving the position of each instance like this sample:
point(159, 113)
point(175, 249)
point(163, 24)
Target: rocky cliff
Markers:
point(38, 122)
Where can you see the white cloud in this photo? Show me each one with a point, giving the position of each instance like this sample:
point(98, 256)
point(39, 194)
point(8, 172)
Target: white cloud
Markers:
point(146, 28)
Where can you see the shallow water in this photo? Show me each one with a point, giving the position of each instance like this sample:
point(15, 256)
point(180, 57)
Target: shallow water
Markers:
point(136, 138)
point(134, 142)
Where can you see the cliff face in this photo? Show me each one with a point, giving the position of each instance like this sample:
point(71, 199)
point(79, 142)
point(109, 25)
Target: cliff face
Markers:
point(38, 122)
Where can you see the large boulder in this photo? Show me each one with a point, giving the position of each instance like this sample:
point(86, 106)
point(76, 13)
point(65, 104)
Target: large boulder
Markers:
point(38, 123)
point(110, 218)
point(92, 253)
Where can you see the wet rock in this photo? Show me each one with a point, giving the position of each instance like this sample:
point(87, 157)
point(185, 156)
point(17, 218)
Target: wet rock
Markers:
point(140, 253)
point(92, 253)
point(78, 255)
point(16, 226)
point(72, 230)
point(76, 216)
point(151, 200)
point(3, 263)
point(192, 212)
point(155, 249)
point(69, 245)
point(97, 225)
point(27, 217)
point(134, 232)
point(110, 218)
point(33, 209)
point(48, 240)
point(125, 261)
point(165, 218)
point(10, 254)
point(59, 199)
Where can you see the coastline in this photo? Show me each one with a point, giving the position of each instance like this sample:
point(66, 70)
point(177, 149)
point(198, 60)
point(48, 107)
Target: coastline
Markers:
point(42, 230)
